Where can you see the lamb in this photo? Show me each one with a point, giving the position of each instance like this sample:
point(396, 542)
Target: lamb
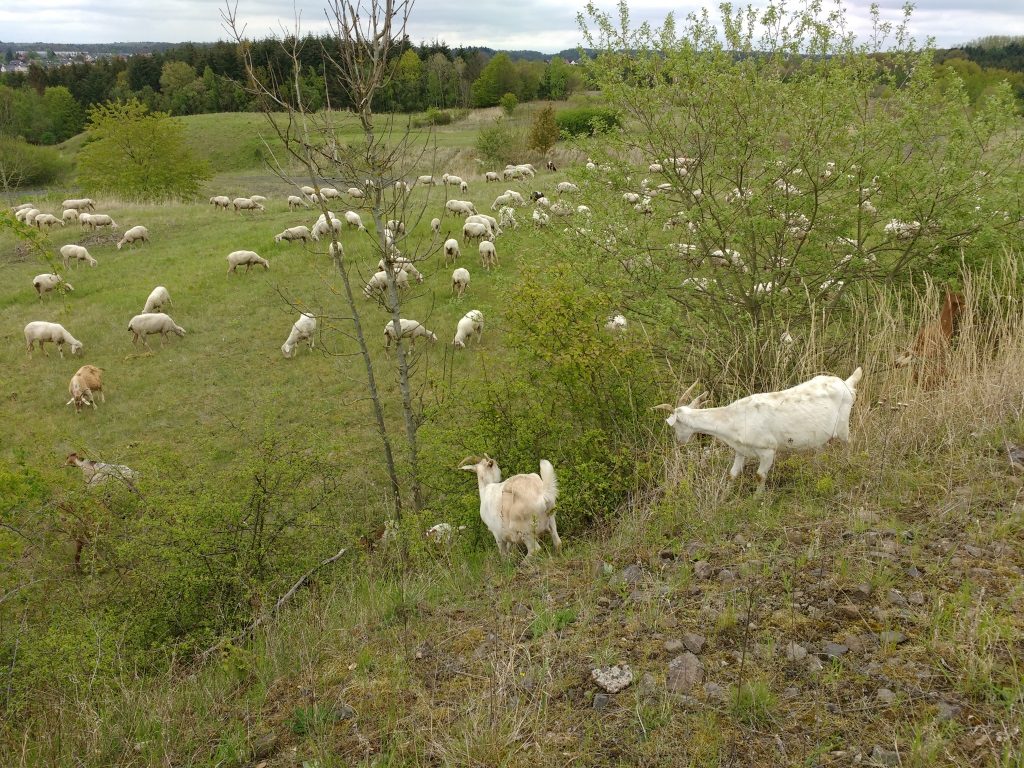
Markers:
point(23, 214)
point(488, 255)
point(353, 219)
point(931, 346)
point(353, 192)
point(302, 330)
point(248, 258)
point(379, 283)
point(460, 281)
point(84, 384)
point(79, 204)
point(329, 193)
point(149, 323)
point(403, 264)
point(246, 204)
point(94, 220)
point(47, 282)
point(501, 201)
point(550, 165)
point(803, 417)
point(451, 251)
point(491, 176)
point(157, 298)
point(76, 252)
point(519, 509)
point(428, 180)
point(97, 473)
point(321, 228)
point(42, 332)
point(459, 207)
point(293, 233)
point(563, 187)
point(69, 215)
point(46, 220)
point(411, 329)
point(134, 235)
point(294, 201)
point(507, 218)
point(472, 323)
point(220, 201)
point(474, 230)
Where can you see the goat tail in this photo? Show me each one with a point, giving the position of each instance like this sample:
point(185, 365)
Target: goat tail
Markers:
point(547, 476)
point(854, 378)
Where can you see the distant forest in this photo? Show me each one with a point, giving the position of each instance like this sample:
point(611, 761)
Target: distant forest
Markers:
point(49, 104)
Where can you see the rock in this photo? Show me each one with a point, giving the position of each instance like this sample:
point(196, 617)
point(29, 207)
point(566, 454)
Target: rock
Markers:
point(980, 573)
point(814, 664)
point(601, 701)
point(674, 646)
point(861, 592)
point(891, 637)
point(885, 696)
point(684, 672)
point(264, 746)
point(725, 576)
point(715, 692)
point(601, 568)
point(631, 574)
point(791, 693)
point(896, 598)
point(849, 611)
point(795, 652)
point(342, 711)
point(693, 642)
point(835, 650)
point(702, 570)
point(612, 679)
point(884, 756)
point(913, 573)
point(916, 598)
point(946, 711)
point(974, 551)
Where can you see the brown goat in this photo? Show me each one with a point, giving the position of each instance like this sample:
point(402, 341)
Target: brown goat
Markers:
point(930, 348)
point(84, 384)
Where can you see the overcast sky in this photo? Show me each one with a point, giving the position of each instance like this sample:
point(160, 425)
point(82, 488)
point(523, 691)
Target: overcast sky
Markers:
point(542, 25)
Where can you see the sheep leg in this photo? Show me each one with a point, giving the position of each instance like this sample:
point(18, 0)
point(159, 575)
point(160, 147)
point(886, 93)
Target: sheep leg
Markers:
point(531, 546)
point(767, 460)
point(554, 533)
point(737, 466)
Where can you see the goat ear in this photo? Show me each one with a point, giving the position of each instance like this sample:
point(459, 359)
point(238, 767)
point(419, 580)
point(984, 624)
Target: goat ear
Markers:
point(671, 420)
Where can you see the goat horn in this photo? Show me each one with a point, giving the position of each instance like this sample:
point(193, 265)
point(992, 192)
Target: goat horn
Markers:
point(663, 407)
point(471, 459)
point(488, 457)
point(686, 394)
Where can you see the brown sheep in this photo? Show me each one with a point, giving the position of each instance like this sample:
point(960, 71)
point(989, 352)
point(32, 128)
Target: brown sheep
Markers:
point(84, 384)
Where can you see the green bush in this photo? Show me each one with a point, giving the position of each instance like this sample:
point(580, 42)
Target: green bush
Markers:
point(500, 143)
point(586, 121)
point(23, 165)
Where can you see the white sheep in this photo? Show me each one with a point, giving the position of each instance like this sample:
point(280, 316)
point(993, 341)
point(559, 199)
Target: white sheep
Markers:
point(488, 255)
point(379, 283)
point(335, 249)
point(472, 323)
point(474, 230)
point(97, 473)
point(321, 227)
point(490, 221)
point(79, 204)
point(220, 201)
point(23, 213)
point(395, 226)
point(500, 201)
point(460, 207)
point(355, 192)
point(435, 225)
point(507, 217)
point(451, 251)
point(307, 190)
point(803, 417)
point(411, 329)
point(520, 509)
point(403, 264)
point(329, 193)
point(248, 258)
point(46, 220)
point(76, 252)
point(540, 218)
point(294, 201)
point(451, 181)
point(302, 330)
point(402, 186)
point(94, 220)
point(353, 220)
point(47, 282)
point(23, 207)
point(583, 210)
point(491, 176)
point(246, 204)
point(515, 197)
point(41, 331)
point(87, 381)
point(428, 180)
point(460, 281)
point(542, 202)
point(291, 234)
point(133, 235)
point(902, 230)
point(157, 299)
point(149, 323)
point(616, 323)
point(69, 215)
point(563, 187)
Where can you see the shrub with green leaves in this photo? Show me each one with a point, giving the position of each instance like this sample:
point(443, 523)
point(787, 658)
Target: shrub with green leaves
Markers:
point(586, 121)
point(24, 165)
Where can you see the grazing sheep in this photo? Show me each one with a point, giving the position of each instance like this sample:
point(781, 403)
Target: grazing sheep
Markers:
point(307, 190)
point(70, 215)
point(902, 230)
point(411, 329)
point(157, 298)
point(22, 214)
point(220, 201)
point(428, 180)
point(79, 204)
point(22, 207)
point(451, 251)
point(472, 323)
point(293, 233)
point(516, 198)
point(46, 220)
point(550, 165)
point(302, 330)
point(542, 202)
point(803, 417)
point(395, 227)
point(134, 235)
point(149, 323)
point(402, 186)
point(248, 258)
point(474, 230)
point(84, 384)
point(460, 281)
point(507, 218)
point(402, 264)
point(488, 255)
point(491, 176)
point(583, 210)
point(490, 221)
point(354, 192)
point(47, 282)
point(353, 220)
point(94, 220)
point(294, 201)
point(321, 227)
point(435, 226)
point(41, 331)
point(245, 204)
point(540, 218)
point(335, 249)
point(518, 510)
point(76, 252)
point(501, 201)
point(563, 187)
point(453, 181)
point(459, 207)
point(931, 347)
point(379, 283)
point(329, 193)
point(97, 473)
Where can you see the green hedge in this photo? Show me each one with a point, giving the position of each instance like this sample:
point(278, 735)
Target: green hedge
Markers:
point(586, 121)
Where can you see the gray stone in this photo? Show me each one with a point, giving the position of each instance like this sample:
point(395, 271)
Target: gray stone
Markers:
point(835, 650)
point(974, 551)
point(814, 664)
point(946, 711)
point(612, 679)
point(674, 646)
point(913, 573)
point(694, 643)
point(631, 574)
point(601, 701)
point(795, 652)
point(896, 598)
point(884, 756)
point(715, 692)
point(891, 637)
point(725, 576)
point(684, 672)
point(916, 598)
point(702, 570)
point(885, 696)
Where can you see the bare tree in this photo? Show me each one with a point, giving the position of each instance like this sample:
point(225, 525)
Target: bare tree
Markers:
point(364, 36)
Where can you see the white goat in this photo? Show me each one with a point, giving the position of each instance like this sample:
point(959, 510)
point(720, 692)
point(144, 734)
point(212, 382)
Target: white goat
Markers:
point(803, 417)
point(518, 510)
